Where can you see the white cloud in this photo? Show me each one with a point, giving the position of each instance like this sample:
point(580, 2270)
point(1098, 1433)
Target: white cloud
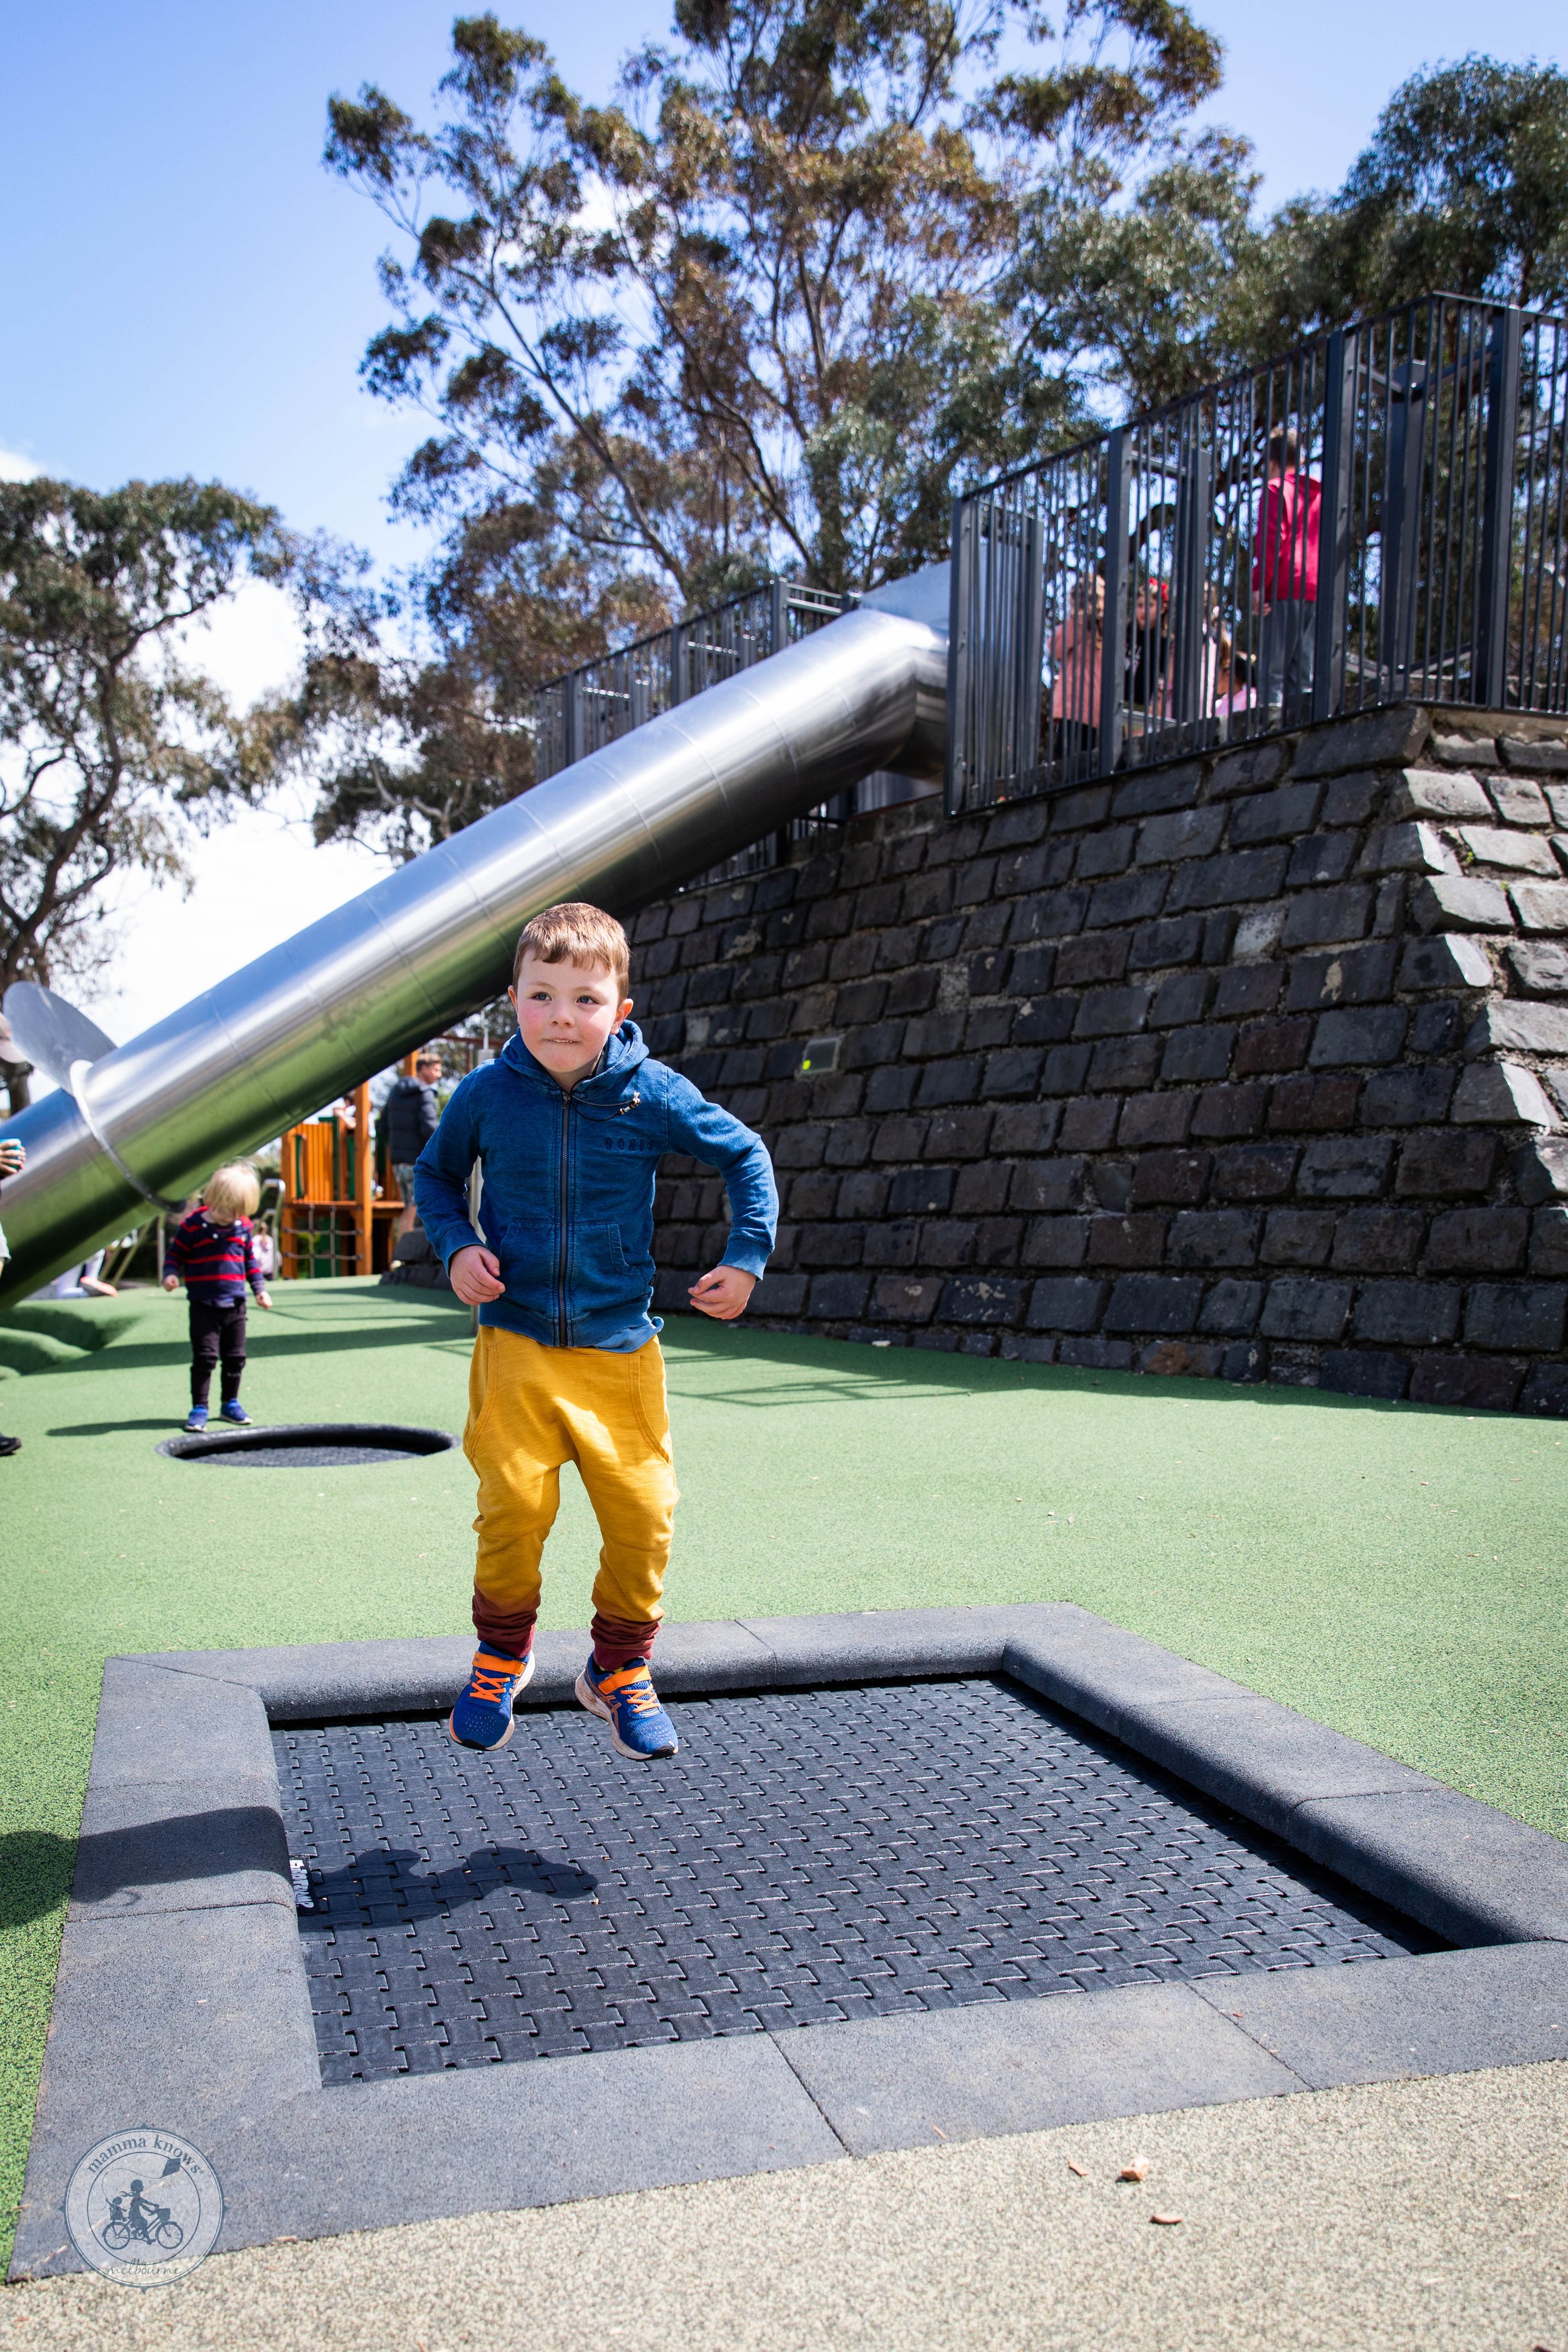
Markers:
point(249, 645)
point(15, 467)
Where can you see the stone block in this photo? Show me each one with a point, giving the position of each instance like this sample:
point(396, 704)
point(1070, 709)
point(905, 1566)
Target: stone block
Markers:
point(1517, 801)
point(1247, 987)
point(1298, 1237)
point(892, 1245)
point(1444, 1164)
point(1109, 852)
point(1390, 737)
point(1112, 1012)
point(1318, 916)
point(1541, 906)
point(1299, 1309)
point(1155, 945)
point(1044, 1020)
point(1458, 902)
point(1271, 1047)
point(1344, 1168)
point(1065, 1069)
point(1313, 1106)
point(1098, 955)
point(1355, 976)
point(1557, 795)
point(1136, 1240)
point(1231, 1308)
point(1047, 1184)
point(1464, 751)
point(1257, 1172)
point(1248, 770)
point(1549, 1241)
point(1067, 1303)
point(1230, 880)
point(1089, 1126)
point(1381, 1240)
point(1351, 799)
point(1200, 1052)
point(1479, 1383)
point(1132, 900)
point(1512, 1024)
point(1501, 1093)
point(1161, 1118)
point(1227, 1113)
point(1175, 787)
point(1519, 853)
point(1186, 833)
point(1016, 1071)
point(985, 1299)
point(1435, 1028)
point(1158, 1304)
point(1056, 1241)
point(1478, 1241)
point(1546, 1391)
point(1526, 1315)
point(1213, 1237)
point(1408, 1314)
point(1374, 1032)
point(1021, 1129)
point(1112, 1182)
point(1426, 793)
point(1543, 758)
point(1321, 858)
point(1182, 1360)
point(905, 1297)
point(1448, 959)
point(921, 1192)
point(1541, 965)
point(951, 1081)
point(1364, 1372)
point(1407, 1097)
point(947, 1241)
point(839, 1297)
point(1182, 998)
point(1169, 1177)
point(1407, 849)
point(1281, 815)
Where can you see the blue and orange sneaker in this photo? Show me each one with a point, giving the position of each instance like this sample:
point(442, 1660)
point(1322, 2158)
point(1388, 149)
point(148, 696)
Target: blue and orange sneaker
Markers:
point(482, 1717)
point(626, 1697)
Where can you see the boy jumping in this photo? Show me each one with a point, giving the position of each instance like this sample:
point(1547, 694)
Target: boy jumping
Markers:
point(568, 1126)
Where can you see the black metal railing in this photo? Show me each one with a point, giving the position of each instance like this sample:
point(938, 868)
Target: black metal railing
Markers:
point(1377, 517)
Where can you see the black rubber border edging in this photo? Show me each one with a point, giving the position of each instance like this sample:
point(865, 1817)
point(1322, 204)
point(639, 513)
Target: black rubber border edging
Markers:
point(251, 1437)
point(181, 1998)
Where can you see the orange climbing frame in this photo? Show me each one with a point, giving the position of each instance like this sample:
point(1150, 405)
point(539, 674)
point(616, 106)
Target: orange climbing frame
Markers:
point(327, 1222)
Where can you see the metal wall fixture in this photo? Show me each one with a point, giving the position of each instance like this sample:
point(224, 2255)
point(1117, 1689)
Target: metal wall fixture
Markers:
point(1409, 538)
point(626, 825)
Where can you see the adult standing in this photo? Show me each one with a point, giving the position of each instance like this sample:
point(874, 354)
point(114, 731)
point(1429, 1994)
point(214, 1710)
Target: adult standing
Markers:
point(409, 1117)
point(1285, 577)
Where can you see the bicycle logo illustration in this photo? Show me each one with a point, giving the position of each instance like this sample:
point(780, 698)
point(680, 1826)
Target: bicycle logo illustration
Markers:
point(143, 2207)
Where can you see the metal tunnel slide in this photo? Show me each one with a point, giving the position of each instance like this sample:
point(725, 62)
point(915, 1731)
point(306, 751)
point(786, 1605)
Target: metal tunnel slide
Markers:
point(355, 991)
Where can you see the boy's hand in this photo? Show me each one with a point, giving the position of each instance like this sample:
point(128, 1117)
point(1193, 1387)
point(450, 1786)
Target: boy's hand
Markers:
point(262, 1299)
point(476, 1275)
point(723, 1293)
point(13, 1158)
point(171, 1282)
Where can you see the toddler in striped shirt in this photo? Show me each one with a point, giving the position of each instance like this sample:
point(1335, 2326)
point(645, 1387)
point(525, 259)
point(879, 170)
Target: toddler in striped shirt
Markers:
point(213, 1250)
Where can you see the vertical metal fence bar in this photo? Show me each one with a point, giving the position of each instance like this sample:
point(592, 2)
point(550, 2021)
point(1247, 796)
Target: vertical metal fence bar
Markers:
point(1334, 529)
point(1497, 507)
point(1113, 635)
point(959, 605)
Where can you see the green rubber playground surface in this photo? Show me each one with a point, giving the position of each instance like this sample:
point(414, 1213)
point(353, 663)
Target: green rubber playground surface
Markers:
point(1395, 1572)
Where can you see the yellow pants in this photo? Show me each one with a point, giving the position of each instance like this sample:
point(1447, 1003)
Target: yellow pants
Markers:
point(531, 1408)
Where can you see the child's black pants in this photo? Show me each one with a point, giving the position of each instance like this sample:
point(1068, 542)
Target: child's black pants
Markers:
point(217, 1335)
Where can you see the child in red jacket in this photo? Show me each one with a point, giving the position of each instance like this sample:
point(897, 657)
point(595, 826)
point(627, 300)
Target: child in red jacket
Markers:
point(215, 1250)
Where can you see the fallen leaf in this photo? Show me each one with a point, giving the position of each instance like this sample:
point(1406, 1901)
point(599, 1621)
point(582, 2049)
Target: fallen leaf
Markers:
point(1136, 2169)
point(1082, 2169)
point(1166, 2221)
point(939, 2131)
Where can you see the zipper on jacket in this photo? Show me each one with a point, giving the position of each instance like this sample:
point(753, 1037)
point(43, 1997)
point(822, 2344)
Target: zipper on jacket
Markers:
point(562, 1334)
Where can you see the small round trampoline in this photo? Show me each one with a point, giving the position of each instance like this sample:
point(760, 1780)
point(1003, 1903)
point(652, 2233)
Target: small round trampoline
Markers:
point(307, 1445)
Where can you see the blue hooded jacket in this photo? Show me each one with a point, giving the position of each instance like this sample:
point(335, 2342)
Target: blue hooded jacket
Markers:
point(567, 1199)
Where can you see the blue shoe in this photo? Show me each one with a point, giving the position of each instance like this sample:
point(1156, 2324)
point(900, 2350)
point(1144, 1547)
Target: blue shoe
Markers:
point(626, 1697)
point(234, 1411)
point(196, 1420)
point(482, 1717)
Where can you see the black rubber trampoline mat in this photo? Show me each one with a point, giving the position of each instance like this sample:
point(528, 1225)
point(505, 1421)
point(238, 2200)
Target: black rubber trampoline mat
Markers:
point(810, 1856)
point(309, 1445)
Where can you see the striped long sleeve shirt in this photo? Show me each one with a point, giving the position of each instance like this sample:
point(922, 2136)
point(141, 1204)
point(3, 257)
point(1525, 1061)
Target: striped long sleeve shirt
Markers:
point(215, 1260)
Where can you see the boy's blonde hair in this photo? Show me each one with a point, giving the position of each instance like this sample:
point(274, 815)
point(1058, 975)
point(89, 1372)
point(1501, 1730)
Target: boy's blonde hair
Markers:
point(232, 1191)
point(576, 933)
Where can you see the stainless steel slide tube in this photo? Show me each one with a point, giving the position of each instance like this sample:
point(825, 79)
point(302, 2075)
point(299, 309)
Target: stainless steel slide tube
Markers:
point(350, 994)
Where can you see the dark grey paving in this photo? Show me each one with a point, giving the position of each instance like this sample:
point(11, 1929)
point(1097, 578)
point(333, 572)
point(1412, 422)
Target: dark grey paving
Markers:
point(812, 1856)
point(1471, 1874)
point(1441, 2013)
point(151, 1847)
point(904, 2081)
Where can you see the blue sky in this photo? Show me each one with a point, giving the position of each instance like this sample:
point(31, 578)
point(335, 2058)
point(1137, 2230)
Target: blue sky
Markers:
point(188, 292)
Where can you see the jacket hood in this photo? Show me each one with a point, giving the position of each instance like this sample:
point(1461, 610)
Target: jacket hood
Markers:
point(624, 1052)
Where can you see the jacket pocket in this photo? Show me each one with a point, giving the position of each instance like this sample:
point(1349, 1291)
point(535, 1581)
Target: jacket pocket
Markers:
point(526, 1254)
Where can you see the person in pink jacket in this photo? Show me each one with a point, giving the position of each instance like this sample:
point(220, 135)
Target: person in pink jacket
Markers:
point(1285, 575)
